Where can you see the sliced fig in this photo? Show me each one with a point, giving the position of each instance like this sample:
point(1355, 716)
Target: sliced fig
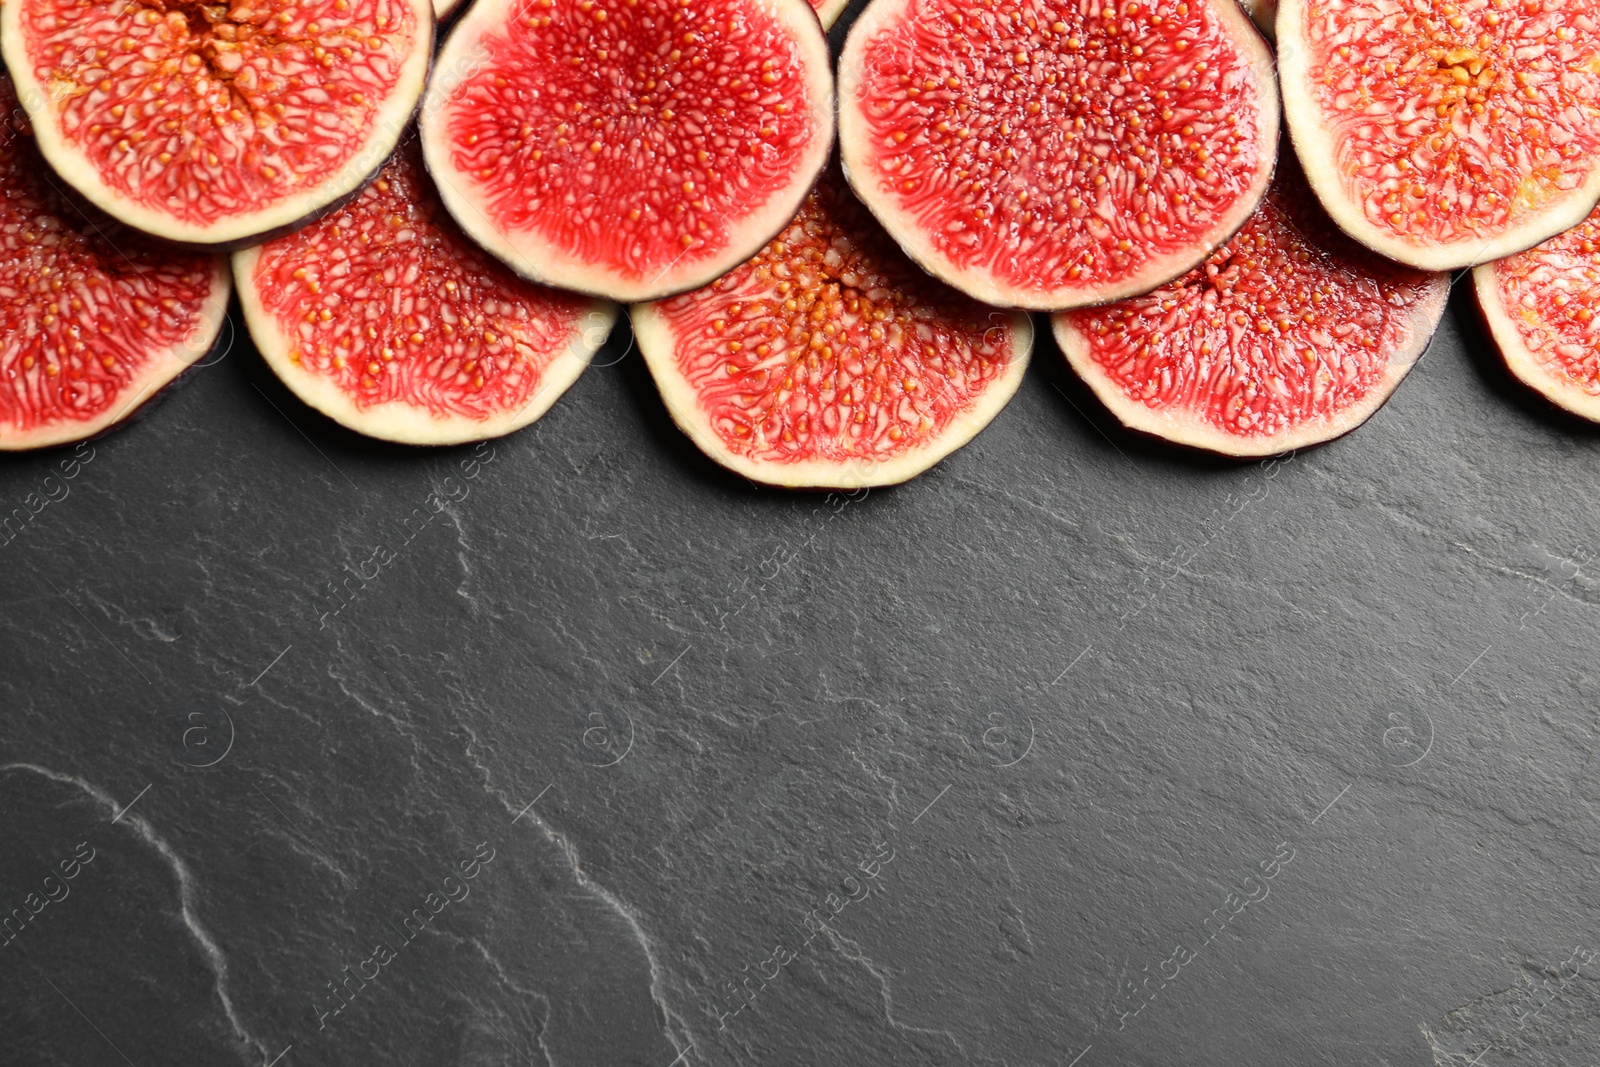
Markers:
point(96, 318)
point(1051, 155)
point(214, 124)
point(828, 11)
point(386, 318)
point(1288, 336)
point(629, 148)
point(1542, 308)
point(1445, 135)
point(830, 360)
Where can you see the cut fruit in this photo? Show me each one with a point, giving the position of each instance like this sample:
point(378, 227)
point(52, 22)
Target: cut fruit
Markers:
point(629, 148)
point(95, 319)
point(383, 316)
point(1289, 336)
point(214, 124)
point(828, 11)
point(1542, 308)
point(1052, 155)
point(829, 360)
point(1445, 135)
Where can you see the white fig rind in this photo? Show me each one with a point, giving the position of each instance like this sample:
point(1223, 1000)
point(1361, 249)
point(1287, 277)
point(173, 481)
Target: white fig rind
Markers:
point(830, 11)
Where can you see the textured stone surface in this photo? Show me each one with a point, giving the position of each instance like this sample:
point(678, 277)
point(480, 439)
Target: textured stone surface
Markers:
point(1306, 746)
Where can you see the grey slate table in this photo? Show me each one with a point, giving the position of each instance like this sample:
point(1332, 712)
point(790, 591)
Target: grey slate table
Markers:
point(1076, 751)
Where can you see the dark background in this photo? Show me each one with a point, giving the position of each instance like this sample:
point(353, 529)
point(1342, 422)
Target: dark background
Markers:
point(1087, 691)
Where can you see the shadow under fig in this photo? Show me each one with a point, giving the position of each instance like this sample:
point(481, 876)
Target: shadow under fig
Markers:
point(1078, 405)
point(672, 443)
point(1492, 371)
point(245, 367)
point(646, 406)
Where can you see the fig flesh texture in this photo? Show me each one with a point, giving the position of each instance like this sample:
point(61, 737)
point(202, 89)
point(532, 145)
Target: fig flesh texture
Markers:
point(217, 124)
point(97, 319)
point(628, 148)
point(830, 360)
point(1047, 155)
point(386, 318)
point(1542, 308)
point(1445, 136)
point(1289, 336)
